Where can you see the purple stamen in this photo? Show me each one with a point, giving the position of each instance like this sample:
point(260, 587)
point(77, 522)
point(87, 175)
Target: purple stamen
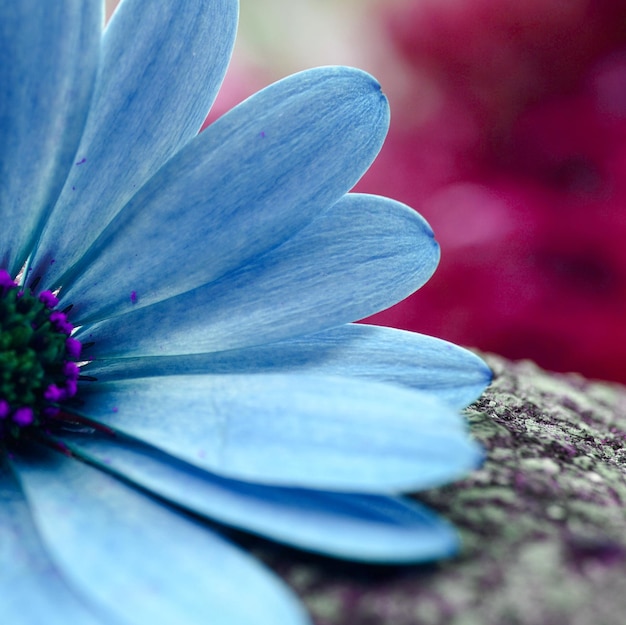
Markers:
point(71, 370)
point(5, 279)
point(4, 409)
point(54, 393)
point(58, 317)
point(48, 299)
point(23, 416)
point(60, 322)
point(71, 388)
point(73, 347)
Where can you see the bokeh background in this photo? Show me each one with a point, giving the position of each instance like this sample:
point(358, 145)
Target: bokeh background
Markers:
point(509, 135)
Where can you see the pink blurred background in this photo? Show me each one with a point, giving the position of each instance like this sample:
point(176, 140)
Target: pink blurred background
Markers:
point(519, 163)
point(508, 134)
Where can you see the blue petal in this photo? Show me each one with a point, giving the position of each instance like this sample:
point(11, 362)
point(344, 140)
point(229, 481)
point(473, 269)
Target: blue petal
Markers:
point(48, 60)
point(140, 560)
point(362, 255)
point(33, 590)
point(241, 188)
point(289, 430)
point(455, 375)
point(367, 528)
point(161, 70)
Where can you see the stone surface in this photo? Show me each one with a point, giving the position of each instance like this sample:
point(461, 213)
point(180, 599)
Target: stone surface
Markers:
point(543, 522)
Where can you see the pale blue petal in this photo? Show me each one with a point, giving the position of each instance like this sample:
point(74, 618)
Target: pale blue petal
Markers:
point(367, 528)
point(241, 188)
point(33, 590)
point(141, 560)
point(48, 60)
point(289, 430)
point(362, 255)
point(160, 72)
point(453, 374)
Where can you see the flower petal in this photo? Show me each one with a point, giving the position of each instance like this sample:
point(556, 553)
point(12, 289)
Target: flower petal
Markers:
point(33, 591)
point(455, 375)
point(48, 59)
point(362, 255)
point(161, 70)
point(242, 187)
point(290, 430)
point(367, 528)
point(140, 560)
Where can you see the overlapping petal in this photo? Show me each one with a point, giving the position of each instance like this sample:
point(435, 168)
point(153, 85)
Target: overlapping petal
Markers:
point(160, 72)
point(33, 590)
point(290, 430)
point(139, 565)
point(239, 189)
point(213, 276)
point(48, 60)
point(453, 374)
point(360, 256)
point(359, 527)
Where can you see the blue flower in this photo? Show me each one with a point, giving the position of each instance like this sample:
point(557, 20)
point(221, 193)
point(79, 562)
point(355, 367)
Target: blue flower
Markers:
point(176, 336)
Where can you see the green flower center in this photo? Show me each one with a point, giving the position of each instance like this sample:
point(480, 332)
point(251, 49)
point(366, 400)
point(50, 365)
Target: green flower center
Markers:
point(38, 357)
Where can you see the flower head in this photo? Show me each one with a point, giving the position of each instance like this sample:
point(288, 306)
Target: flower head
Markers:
point(175, 326)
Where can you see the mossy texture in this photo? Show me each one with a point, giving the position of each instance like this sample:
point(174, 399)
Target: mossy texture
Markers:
point(543, 522)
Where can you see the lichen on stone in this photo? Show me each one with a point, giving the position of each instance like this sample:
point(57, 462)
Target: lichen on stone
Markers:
point(543, 521)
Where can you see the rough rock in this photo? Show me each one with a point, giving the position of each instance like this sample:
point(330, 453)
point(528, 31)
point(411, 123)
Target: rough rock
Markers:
point(543, 521)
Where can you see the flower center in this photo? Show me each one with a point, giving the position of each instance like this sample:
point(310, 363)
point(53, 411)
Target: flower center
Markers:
point(38, 357)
